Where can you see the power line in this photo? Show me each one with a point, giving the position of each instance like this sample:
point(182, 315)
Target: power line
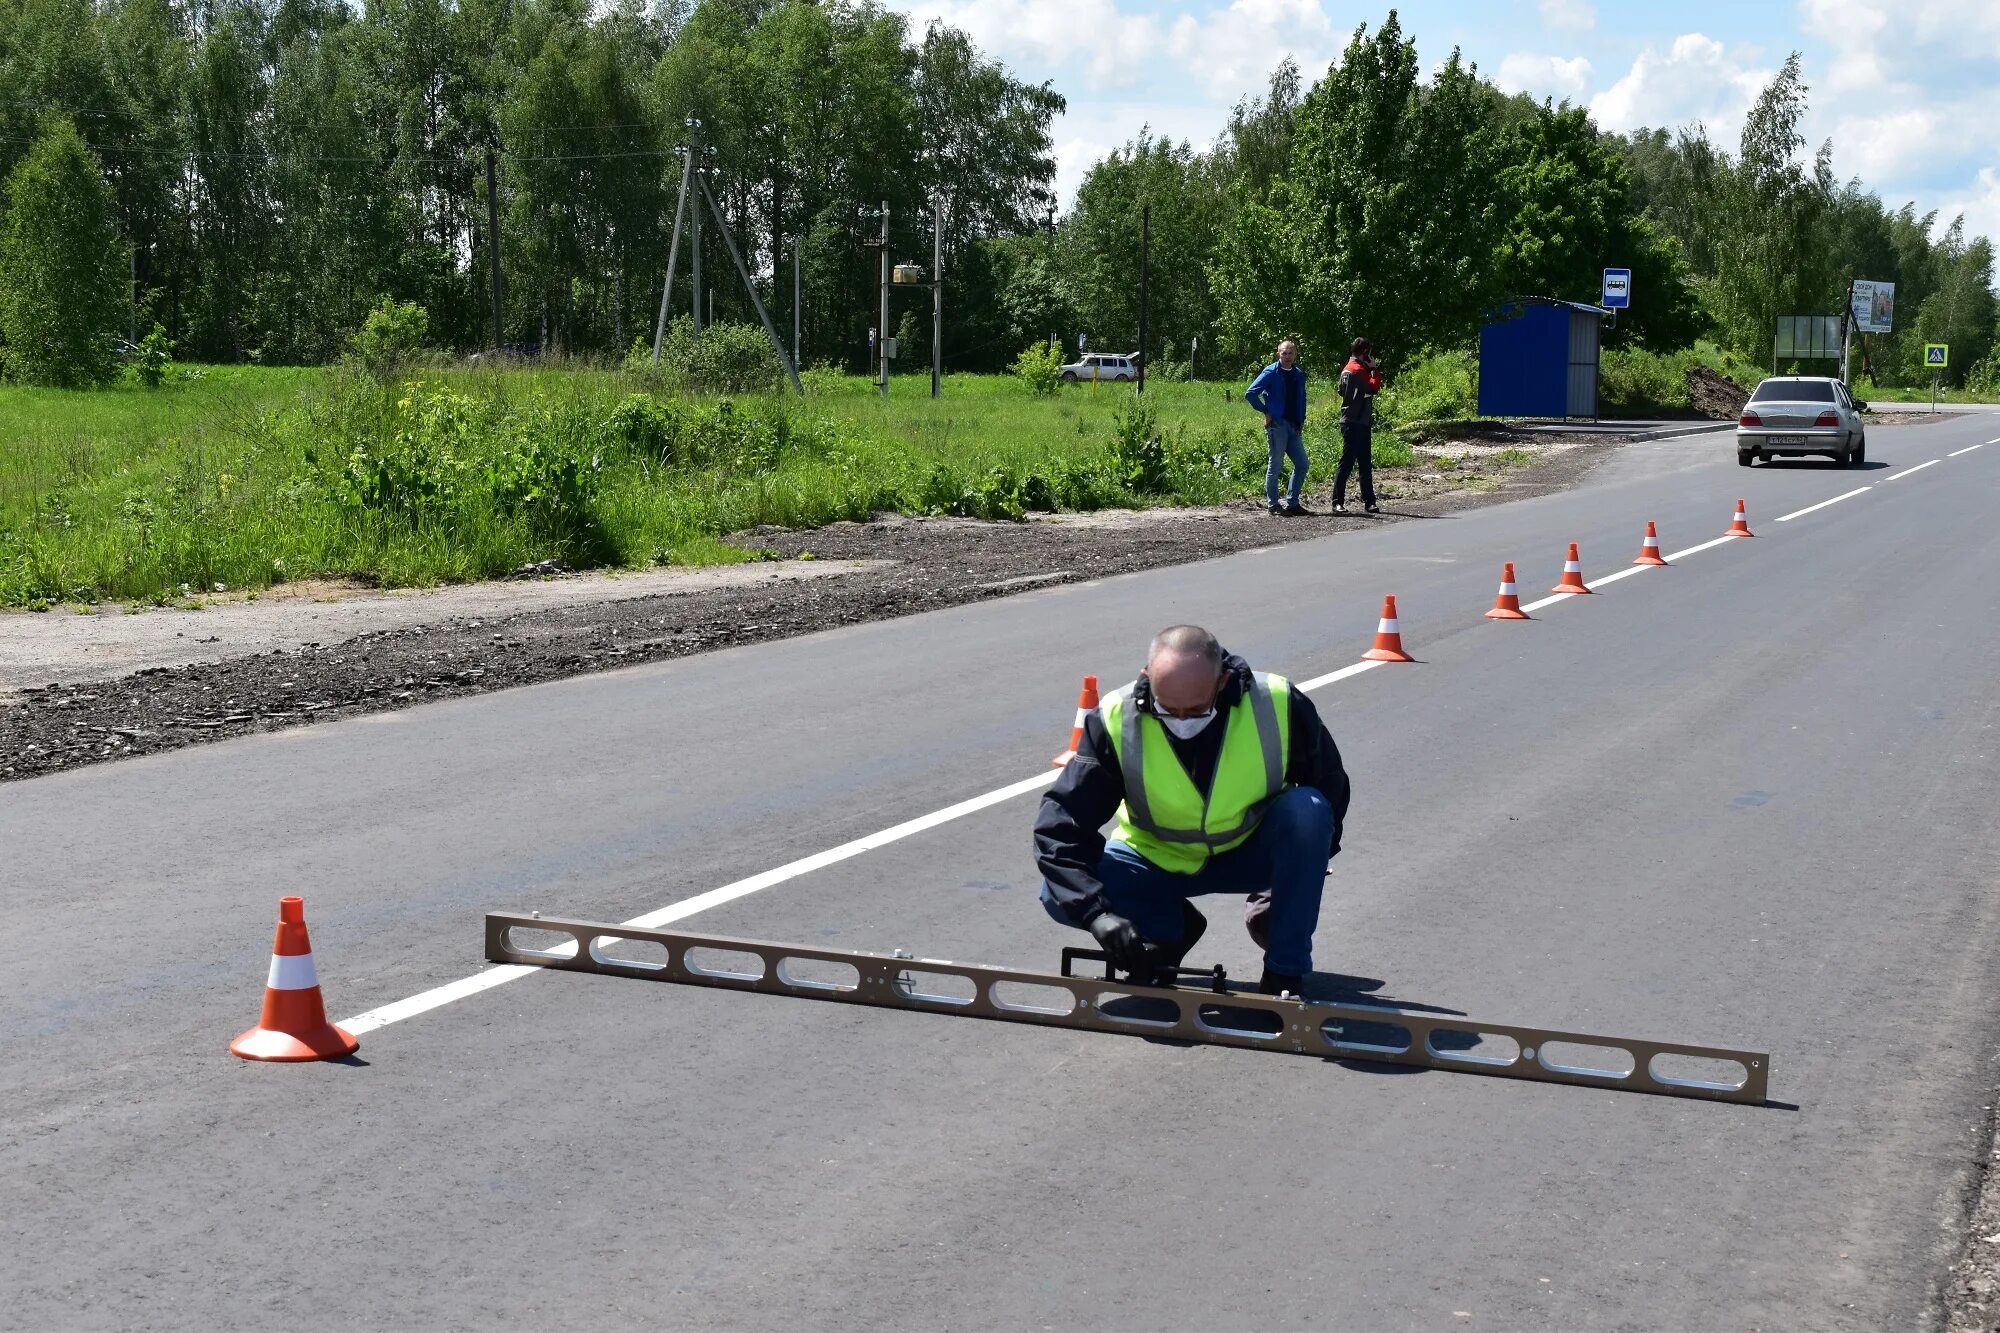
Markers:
point(267, 155)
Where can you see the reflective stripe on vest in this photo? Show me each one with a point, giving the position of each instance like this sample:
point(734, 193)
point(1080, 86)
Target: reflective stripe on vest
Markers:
point(1229, 812)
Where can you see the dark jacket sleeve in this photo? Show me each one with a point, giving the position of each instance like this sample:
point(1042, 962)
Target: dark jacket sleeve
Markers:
point(1068, 829)
point(1315, 762)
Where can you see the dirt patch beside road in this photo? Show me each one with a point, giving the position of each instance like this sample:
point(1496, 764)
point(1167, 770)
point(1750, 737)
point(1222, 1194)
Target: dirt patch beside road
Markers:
point(909, 565)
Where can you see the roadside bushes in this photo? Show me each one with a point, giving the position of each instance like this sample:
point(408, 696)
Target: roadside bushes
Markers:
point(1635, 382)
point(390, 338)
point(1039, 366)
point(727, 358)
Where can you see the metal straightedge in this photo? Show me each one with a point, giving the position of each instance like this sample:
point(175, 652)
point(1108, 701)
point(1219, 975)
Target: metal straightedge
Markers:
point(1238, 1018)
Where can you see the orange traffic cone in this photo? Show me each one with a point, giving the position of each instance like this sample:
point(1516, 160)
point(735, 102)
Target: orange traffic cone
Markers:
point(1085, 702)
point(294, 1025)
point(1741, 526)
point(1507, 606)
point(1649, 550)
point(1388, 637)
point(1572, 574)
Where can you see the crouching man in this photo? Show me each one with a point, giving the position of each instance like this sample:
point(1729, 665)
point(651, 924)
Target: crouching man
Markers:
point(1222, 780)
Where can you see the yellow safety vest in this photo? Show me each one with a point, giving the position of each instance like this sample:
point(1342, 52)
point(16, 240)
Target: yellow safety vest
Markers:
point(1164, 817)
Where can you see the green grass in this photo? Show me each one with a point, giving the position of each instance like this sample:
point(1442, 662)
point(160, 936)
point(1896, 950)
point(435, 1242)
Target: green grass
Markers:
point(1872, 393)
point(245, 477)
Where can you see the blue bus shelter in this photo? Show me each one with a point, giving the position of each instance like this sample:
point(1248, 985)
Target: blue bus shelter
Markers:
point(1538, 358)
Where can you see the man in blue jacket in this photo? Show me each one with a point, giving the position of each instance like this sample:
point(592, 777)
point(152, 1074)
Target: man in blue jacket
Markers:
point(1279, 392)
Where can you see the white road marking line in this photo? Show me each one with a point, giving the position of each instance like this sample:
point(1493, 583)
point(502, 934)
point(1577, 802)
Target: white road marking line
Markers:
point(1918, 468)
point(1624, 573)
point(439, 996)
point(1969, 448)
point(1341, 674)
point(1801, 513)
point(701, 902)
point(1695, 550)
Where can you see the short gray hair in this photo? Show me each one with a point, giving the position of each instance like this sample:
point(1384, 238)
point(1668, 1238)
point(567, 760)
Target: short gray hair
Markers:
point(1186, 641)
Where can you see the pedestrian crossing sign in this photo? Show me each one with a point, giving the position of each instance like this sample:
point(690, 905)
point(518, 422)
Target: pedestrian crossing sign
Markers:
point(1937, 356)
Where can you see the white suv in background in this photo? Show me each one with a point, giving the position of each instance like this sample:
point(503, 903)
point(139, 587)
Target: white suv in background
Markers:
point(1794, 415)
point(1102, 366)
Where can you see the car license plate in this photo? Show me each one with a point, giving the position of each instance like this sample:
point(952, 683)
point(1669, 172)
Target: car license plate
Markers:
point(1784, 439)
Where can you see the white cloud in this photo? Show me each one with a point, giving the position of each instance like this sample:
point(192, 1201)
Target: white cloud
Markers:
point(1696, 79)
point(1889, 143)
point(1232, 51)
point(1569, 15)
point(1980, 203)
point(1544, 76)
point(1113, 47)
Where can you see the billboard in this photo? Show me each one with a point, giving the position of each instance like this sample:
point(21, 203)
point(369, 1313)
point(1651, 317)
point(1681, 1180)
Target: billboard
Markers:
point(1808, 337)
point(1874, 306)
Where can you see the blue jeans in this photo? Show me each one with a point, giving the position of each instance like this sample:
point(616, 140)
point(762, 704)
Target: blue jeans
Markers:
point(1285, 442)
point(1287, 855)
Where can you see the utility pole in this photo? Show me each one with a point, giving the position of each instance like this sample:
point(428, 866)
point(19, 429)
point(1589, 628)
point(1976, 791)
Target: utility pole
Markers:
point(797, 251)
point(749, 287)
point(937, 291)
point(1145, 250)
point(493, 244)
point(694, 154)
point(882, 336)
point(674, 250)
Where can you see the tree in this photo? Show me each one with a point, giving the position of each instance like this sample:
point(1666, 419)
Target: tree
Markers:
point(63, 269)
point(1393, 199)
point(1566, 215)
point(1099, 243)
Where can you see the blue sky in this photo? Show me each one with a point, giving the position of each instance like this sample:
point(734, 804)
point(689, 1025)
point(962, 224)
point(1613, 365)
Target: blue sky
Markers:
point(1909, 90)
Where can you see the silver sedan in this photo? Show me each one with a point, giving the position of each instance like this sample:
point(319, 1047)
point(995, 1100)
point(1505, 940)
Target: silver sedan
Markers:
point(1794, 415)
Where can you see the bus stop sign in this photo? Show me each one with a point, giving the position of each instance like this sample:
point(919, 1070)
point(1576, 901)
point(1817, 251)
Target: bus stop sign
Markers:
point(1617, 289)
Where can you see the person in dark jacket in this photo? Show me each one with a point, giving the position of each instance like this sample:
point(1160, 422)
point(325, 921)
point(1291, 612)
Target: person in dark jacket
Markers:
point(1222, 780)
point(1279, 392)
point(1360, 381)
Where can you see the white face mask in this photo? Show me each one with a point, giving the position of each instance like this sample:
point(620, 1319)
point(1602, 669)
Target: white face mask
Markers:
point(1187, 728)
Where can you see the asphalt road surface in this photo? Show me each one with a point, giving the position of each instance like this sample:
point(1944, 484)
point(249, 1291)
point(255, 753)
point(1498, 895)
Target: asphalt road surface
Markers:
point(1746, 800)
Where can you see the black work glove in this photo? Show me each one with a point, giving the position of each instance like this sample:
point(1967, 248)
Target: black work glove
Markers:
point(1119, 939)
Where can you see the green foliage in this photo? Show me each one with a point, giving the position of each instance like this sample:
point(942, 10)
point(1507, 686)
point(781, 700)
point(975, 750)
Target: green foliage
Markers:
point(1099, 244)
point(63, 276)
point(155, 355)
point(1441, 387)
point(250, 476)
point(727, 358)
point(547, 469)
point(1634, 381)
point(417, 465)
point(1039, 366)
point(1389, 449)
point(1138, 457)
point(1392, 200)
point(390, 338)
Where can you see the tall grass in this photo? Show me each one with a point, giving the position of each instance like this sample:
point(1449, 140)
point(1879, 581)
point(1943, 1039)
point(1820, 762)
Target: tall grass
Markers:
point(249, 477)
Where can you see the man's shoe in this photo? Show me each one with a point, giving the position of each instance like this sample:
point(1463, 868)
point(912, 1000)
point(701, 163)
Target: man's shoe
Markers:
point(1281, 983)
point(1374, 509)
point(1275, 510)
point(1339, 506)
point(1296, 510)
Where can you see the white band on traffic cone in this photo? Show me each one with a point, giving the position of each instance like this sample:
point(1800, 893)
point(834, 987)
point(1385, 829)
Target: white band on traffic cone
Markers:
point(1572, 567)
point(1509, 590)
point(292, 971)
point(1388, 627)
